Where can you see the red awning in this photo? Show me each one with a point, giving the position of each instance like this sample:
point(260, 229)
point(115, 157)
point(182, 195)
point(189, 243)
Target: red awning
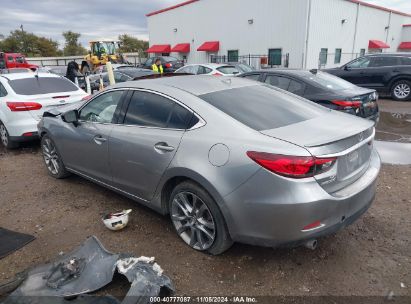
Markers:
point(209, 46)
point(159, 48)
point(405, 46)
point(181, 48)
point(377, 44)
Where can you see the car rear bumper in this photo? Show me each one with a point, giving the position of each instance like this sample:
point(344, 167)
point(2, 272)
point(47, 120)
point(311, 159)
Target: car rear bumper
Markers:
point(274, 213)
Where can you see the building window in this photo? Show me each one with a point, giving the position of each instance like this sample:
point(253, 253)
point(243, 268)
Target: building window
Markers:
point(323, 56)
point(232, 56)
point(362, 52)
point(274, 57)
point(337, 58)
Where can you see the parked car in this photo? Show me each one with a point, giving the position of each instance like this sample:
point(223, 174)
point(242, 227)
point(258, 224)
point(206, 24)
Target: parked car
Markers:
point(121, 75)
point(387, 73)
point(23, 99)
point(170, 64)
point(242, 67)
point(15, 60)
point(322, 88)
point(229, 159)
point(215, 69)
point(15, 70)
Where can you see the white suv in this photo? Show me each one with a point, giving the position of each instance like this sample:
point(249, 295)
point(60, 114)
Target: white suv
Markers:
point(23, 99)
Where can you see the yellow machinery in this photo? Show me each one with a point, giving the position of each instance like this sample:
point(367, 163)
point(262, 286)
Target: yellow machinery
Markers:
point(103, 51)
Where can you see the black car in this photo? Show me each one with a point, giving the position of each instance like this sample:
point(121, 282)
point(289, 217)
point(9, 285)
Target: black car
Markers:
point(170, 64)
point(322, 88)
point(389, 74)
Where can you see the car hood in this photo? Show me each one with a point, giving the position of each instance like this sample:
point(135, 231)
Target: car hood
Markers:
point(321, 130)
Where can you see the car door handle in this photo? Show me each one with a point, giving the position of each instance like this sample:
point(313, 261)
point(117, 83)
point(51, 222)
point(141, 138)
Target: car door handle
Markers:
point(99, 139)
point(162, 146)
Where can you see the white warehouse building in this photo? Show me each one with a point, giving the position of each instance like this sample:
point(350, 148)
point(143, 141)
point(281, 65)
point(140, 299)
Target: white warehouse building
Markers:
point(293, 33)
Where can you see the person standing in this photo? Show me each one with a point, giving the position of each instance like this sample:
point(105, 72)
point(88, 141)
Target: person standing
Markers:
point(157, 66)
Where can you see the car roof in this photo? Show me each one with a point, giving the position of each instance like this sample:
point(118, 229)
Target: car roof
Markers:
point(291, 72)
point(14, 76)
point(211, 65)
point(193, 84)
point(390, 54)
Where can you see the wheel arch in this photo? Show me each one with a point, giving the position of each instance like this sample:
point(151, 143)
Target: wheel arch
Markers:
point(396, 79)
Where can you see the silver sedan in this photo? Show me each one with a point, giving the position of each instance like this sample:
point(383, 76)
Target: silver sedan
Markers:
point(228, 159)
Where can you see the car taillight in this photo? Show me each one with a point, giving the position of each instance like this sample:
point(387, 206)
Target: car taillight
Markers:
point(346, 103)
point(85, 98)
point(18, 106)
point(292, 166)
point(168, 65)
point(217, 74)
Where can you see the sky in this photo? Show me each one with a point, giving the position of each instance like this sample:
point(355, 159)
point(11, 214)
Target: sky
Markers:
point(99, 19)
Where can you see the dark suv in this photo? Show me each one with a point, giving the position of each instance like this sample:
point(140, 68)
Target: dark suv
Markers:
point(389, 74)
point(170, 64)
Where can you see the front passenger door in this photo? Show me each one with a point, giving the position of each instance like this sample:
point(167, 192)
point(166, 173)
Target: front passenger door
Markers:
point(142, 147)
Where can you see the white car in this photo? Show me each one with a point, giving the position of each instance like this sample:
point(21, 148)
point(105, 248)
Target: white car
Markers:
point(215, 69)
point(23, 99)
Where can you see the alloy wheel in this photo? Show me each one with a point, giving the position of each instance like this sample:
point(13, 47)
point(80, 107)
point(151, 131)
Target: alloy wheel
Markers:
point(51, 157)
point(4, 135)
point(402, 90)
point(193, 220)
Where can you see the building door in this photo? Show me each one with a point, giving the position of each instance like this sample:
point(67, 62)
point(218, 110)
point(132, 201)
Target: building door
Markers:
point(232, 56)
point(274, 57)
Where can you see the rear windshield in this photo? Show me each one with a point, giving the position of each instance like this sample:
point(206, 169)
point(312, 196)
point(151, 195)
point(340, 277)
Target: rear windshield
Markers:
point(228, 70)
point(169, 58)
point(330, 81)
point(41, 85)
point(263, 107)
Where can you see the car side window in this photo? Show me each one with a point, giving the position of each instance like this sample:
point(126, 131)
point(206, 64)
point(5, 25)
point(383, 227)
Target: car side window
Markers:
point(3, 91)
point(203, 70)
point(252, 76)
point(278, 81)
point(362, 62)
point(10, 58)
point(102, 108)
point(153, 110)
point(405, 61)
point(149, 61)
point(296, 87)
point(384, 61)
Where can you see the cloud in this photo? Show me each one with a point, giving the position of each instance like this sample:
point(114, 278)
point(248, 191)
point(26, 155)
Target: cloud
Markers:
point(399, 5)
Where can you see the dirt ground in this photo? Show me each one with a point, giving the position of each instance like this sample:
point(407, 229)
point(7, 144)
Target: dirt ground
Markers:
point(369, 258)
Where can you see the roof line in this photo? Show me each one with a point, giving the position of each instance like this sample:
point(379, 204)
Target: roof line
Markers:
point(379, 7)
point(171, 8)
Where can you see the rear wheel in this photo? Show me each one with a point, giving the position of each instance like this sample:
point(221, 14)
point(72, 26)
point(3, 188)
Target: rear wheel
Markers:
point(5, 138)
point(198, 220)
point(52, 158)
point(401, 90)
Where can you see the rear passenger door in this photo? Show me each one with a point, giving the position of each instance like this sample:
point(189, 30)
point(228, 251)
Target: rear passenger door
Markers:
point(145, 142)
point(380, 70)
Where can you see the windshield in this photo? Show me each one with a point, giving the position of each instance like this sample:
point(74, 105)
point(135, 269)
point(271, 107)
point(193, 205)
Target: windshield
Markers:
point(244, 68)
point(169, 58)
point(330, 81)
point(263, 107)
point(41, 85)
point(108, 48)
point(228, 70)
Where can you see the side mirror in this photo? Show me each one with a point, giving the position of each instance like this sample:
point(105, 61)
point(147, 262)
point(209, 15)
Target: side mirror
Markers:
point(346, 68)
point(70, 116)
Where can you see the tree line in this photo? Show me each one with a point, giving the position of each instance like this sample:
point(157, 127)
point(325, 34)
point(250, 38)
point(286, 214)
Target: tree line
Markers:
point(31, 45)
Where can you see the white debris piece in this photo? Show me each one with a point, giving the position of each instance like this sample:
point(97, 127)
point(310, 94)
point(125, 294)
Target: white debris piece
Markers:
point(124, 265)
point(402, 285)
point(157, 268)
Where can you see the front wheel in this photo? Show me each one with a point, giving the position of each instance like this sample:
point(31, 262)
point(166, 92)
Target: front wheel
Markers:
point(198, 220)
point(52, 158)
point(401, 90)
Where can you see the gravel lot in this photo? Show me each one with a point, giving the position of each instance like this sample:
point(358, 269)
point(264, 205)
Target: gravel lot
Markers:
point(370, 257)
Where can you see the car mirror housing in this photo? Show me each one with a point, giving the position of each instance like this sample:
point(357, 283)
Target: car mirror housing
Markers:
point(70, 116)
point(346, 67)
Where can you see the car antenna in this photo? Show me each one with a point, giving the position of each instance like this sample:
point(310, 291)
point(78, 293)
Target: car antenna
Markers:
point(314, 71)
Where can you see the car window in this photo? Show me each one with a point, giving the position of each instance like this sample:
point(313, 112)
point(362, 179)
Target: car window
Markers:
point(263, 107)
point(124, 78)
point(190, 69)
point(3, 91)
point(149, 61)
point(278, 81)
point(10, 58)
point(296, 87)
point(203, 70)
point(245, 68)
point(405, 60)
point(329, 81)
point(228, 70)
point(362, 62)
point(20, 59)
point(102, 108)
point(252, 76)
point(42, 85)
point(152, 110)
point(168, 59)
point(383, 61)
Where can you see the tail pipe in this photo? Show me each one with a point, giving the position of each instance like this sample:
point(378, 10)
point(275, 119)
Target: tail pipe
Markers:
point(311, 244)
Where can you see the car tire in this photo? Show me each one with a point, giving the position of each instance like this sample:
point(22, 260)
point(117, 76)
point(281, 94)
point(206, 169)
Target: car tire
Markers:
point(197, 219)
point(5, 138)
point(401, 90)
point(52, 159)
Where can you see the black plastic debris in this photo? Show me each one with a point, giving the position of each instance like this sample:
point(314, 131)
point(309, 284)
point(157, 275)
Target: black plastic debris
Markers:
point(87, 269)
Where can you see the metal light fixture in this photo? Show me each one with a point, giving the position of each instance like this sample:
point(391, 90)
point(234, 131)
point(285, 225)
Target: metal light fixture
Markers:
point(175, 30)
point(344, 21)
point(250, 21)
